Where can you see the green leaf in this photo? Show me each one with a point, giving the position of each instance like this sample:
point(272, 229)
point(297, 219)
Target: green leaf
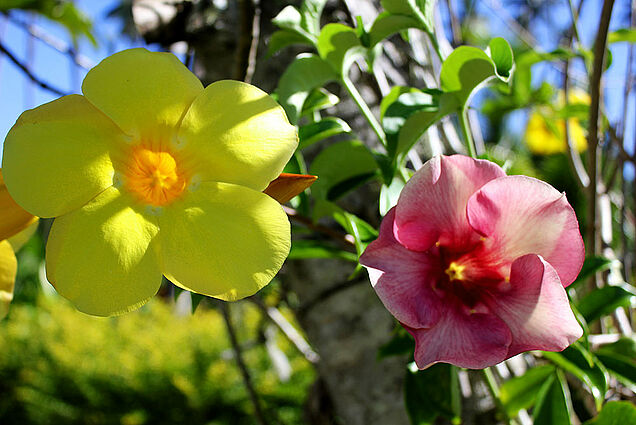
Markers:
point(288, 18)
point(399, 111)
point(605, 300)
point(623, 34)
point(465, 69)
point(362, 232)
point(310, 12)
point(387, 24)
point(620, 359)
point(585, 366)
point(320, 130)
point(318, 100)
point(304, 248)
point(392, 96)
point(284, 38)
point(521, 392)
point(431, 393)
point(615, 413)
point(304, 74)
point(420, 10)
point(591, 265)
point(401, 343)
point(340, 163)
point(389, 195)
point(416, 124)
point(339, 45)
point(552, 402)
point(502, 56)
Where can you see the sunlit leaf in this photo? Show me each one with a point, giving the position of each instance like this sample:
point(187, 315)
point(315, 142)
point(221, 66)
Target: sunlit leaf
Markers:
point(303, 248)
point(623, 34)
point(339, 45)
point(521, 392)
point(316, 131)
point(615, 413)
point(605, 300)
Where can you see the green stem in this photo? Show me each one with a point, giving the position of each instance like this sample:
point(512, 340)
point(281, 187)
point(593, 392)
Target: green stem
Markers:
point(364, 108)
point(493, 388)
point(435, 45)
point(468, 138)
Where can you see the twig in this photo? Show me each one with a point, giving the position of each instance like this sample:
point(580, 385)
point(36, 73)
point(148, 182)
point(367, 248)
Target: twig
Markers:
point(288, 329)
point(344, 239)
point(250, 18)
point(54, 43)
point(573, 157)
point(327, 293)
point(247, 380)
point(29, 74)
point(592, 143)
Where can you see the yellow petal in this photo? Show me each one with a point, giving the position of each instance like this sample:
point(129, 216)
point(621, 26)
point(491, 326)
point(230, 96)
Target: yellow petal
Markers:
point(145, 93)
point(102, 257)
point(56, 156)
point(238, 134)
point(287, 185)
point(13, 218)
point(223, 240)
point(8, 270)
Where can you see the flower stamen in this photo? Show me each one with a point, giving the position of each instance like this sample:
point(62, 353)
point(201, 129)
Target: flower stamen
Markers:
point(154, 176)
point(455, 271)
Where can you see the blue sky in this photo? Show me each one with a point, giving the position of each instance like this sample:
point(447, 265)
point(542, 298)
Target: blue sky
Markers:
point(18, 94)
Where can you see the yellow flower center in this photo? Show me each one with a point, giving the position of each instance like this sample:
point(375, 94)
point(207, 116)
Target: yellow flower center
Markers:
point(154, 176)
point(455, 271)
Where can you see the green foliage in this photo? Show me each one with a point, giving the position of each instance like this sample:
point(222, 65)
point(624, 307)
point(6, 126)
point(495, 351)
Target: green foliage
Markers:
point(150, 367)
point(580, 362)
point(306, 73)
point(553, 402)
point(339, 46)
point(624, 34)
point(316, 131)
point(620, 359)
point(303, 248)
point(615, 413)
point(63, 12)
point(602, 301)
point(432, 392)
point(521, 392)
point(342, 167)
point(591, 265)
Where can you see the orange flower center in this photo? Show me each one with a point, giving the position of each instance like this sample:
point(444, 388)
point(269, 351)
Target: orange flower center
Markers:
point(154, 176)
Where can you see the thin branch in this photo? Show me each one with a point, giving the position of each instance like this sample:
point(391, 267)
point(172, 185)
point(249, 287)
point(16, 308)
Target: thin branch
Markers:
point(249, 21)
point(247, 380)
point(28, 73)
point(288, 329)
point(327, 293)
point(53, 42)
point(573, 157)
point(595, 93)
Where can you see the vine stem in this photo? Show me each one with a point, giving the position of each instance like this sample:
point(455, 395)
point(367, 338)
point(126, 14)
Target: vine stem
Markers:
point(468, 138)
point(238, 355)
point(364, 108)
point(493, 388)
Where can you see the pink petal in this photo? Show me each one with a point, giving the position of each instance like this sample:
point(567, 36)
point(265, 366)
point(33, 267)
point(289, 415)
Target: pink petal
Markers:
point(432, 206)
point(465, 339)
point(521, 215)
point(535, 307)
point(402, 278)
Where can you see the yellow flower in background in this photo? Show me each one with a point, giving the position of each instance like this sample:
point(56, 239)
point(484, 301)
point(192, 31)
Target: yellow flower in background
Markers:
point(148, 173)
point(16, 227)
point(545, 135)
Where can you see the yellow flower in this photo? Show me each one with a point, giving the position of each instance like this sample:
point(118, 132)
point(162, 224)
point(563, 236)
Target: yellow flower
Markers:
point(546, 136)
point(16, 226)
point(148, 173)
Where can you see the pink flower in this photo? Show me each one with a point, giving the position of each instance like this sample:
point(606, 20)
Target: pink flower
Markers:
point(473, 263)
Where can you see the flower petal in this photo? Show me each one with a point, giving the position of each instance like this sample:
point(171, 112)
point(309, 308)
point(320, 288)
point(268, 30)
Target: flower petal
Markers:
point(56, 156)
point(521, 215)
point(8, 270)
point(102, 257)
point(223, 240)
point(238, 134)
point(432, 205)
point(535, 307)
point(287, 186)
point(465, 339)
point(402, 278)
point(13, 218)
point(144, 92)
